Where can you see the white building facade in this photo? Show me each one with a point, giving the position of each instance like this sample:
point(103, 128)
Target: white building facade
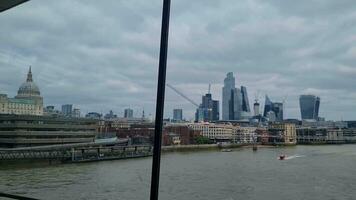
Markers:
point(214, 131)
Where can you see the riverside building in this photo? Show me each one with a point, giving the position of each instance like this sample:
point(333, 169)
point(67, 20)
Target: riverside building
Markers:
point(244, 135)
point(282, 133)
point(216, 132)
point(24, 124)
point(26, 131)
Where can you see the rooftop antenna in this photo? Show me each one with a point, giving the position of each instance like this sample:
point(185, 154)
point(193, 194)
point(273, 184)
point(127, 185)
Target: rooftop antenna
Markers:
point(209, 88)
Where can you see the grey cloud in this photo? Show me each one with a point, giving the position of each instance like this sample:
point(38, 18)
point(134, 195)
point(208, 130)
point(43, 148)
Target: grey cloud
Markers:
point(102, 56)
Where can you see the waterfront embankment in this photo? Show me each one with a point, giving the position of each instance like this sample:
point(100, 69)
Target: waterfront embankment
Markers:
point(198, 147)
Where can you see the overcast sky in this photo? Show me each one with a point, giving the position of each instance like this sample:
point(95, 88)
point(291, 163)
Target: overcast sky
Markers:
point(105, 56)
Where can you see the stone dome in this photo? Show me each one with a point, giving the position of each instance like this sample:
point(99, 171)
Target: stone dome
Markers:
point(28, 88)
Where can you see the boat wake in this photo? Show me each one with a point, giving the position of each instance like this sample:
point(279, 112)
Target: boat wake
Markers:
point(294, 156)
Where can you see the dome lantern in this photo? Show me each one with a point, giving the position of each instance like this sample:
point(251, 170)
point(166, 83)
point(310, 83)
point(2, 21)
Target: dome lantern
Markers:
point(28, 88)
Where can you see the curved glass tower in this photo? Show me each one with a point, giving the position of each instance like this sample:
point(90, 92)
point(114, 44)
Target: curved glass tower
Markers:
point(309, 106)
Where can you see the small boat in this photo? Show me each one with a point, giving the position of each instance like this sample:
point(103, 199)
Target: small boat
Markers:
point(282, 157)
point(226, 150)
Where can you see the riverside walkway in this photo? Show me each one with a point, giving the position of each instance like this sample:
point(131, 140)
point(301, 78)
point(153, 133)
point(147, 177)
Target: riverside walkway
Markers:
point(81, 152)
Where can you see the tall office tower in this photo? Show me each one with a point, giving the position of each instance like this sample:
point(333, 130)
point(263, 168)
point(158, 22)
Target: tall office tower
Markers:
point(268, 106)
point(235, 104)
point(208, 109)
point(229, 86)
point(239, 104)
point(309, 106)
point(128, 113)
point(177, 114)
point(275, 107)
point(215, 110)
point(67, 110)
point(245, 103)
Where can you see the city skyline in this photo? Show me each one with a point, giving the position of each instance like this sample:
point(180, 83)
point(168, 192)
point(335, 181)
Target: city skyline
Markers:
point(103, 66)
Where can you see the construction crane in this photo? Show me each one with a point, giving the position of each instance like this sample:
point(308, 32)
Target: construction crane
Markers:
point(182, 95)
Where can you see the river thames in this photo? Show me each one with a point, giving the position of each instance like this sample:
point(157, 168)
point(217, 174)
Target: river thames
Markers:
point(309, 172)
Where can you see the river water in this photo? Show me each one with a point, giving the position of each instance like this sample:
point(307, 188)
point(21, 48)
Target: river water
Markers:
point(309, 172)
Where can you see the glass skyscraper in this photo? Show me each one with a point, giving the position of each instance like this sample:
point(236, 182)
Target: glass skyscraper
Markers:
point(235, 103)
point(309, 106)
point(273, 110)
point(128, 113)
point(177, 114)
point(229, 86)
point(208, 110)
point(67, 110)
point(245, 103)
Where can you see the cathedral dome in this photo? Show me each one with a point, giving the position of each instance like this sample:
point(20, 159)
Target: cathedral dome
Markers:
point(28, 88)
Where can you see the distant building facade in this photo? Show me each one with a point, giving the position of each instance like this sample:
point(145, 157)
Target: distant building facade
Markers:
point(235, 102)
point(309, 107)
point(256, 108)
point(317, 135)
point(51, 111)
point(229, 85)
point(216, 132)
point(244, 135)
point(171, 139)
point(110, 115)
point(28, 100)
point(273, 110)
point(186, 134)
point(128, 113)
point(93, 115)
point(178, 114)
point(67, 110)
point(208, 110)
point(282, 133)
point(324, 124)
point(26, 131)
point(76, 113)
